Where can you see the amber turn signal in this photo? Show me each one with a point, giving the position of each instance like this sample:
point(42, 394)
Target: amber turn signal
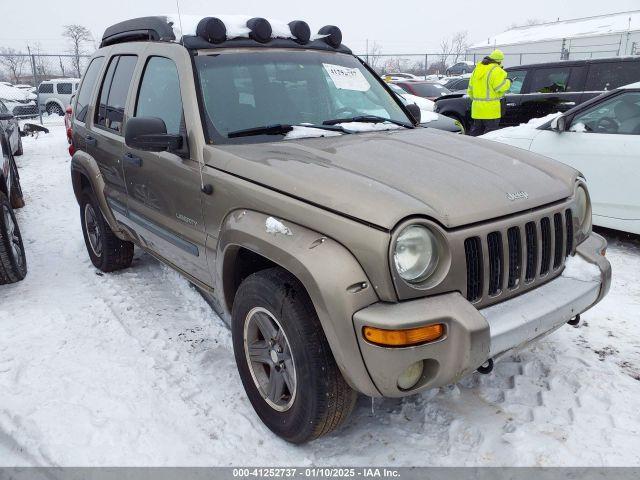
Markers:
point(403, 338)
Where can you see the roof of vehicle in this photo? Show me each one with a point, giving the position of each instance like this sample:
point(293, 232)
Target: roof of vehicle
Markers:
point(575, 62)
point(59, 80)
point(223, 31)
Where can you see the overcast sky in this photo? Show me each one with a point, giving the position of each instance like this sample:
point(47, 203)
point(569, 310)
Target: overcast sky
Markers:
point(409, 26)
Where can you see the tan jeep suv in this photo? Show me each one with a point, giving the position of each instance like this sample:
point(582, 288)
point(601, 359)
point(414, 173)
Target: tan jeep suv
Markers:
point(349, 249)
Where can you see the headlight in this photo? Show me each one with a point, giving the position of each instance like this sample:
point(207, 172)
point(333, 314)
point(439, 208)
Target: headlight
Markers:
point(415, 255)
point(583, 210)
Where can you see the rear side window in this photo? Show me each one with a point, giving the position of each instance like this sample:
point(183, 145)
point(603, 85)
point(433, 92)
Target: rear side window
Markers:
point(160, 93)
point(64, 89)
point(46, 88)
point(114, 91)
point(607, 76)
point(550, 80)
point(89, 81)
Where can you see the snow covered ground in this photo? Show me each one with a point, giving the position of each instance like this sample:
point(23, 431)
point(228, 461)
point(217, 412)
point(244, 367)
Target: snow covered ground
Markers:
point(133, 368)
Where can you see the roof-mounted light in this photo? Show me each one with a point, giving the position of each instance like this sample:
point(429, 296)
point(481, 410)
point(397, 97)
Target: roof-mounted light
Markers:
point(260, 29)
point(332, 35)
point(300, 30)
point(212, 29)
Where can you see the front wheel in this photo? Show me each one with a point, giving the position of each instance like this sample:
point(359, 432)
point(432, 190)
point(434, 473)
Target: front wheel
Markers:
point(13, 263)
point(284, 359)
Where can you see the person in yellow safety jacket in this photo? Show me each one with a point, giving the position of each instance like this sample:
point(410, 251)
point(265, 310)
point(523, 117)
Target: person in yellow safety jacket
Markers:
point(487, 86)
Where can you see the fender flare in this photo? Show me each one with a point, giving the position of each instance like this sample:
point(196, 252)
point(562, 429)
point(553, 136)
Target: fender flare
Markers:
point(49, 101)
point(333, 278)
point(84, 165)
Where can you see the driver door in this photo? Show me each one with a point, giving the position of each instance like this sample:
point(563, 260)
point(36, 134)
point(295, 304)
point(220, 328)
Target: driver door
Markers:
point(603, 142)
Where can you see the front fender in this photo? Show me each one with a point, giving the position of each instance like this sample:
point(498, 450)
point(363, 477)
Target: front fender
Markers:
point(333, 278)
point(85, 170)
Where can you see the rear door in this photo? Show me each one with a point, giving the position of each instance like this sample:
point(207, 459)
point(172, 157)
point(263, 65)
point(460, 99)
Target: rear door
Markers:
point(105, 140)
point(551, 90)
point(164, 188)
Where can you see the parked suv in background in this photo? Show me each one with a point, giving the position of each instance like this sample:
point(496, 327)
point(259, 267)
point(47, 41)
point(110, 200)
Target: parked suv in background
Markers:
point(541, 89)
point(54, 96)
point(461, 68)
point(13, 264)
point(349, 249)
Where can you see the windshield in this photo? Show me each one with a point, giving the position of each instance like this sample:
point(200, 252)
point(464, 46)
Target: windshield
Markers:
point(248, 90)
point(430, 89)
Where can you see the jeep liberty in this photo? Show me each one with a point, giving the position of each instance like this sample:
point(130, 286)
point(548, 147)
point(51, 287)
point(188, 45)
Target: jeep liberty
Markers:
point(349, 249)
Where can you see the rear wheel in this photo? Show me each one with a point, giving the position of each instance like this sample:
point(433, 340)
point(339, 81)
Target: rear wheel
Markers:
point(54, 109)
point(13, 263)
point(284, 359)
point(107, 252)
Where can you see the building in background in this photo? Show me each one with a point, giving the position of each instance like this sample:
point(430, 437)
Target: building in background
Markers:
point(611, 35)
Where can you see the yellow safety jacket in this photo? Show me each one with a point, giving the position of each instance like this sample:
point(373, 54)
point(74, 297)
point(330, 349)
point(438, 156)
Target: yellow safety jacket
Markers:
point(487, 85)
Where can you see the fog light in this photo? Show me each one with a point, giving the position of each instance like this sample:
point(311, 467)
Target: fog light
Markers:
point(410, 376)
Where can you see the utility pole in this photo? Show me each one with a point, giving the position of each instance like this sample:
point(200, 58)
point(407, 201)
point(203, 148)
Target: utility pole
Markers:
point(34, 72)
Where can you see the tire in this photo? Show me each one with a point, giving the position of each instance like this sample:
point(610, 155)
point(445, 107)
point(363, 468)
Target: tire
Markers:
point(16, 197)
point(107, 252)
point(20, 150)
point(55, 109)
point(321, 399)
point(13, 262)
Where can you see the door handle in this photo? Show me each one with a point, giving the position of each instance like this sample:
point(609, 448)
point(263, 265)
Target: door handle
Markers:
point(132, 160)
point(568, 104)
point(511, 104)
point(90, 141)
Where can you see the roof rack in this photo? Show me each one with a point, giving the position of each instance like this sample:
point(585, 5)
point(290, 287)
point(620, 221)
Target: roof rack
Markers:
point(139, 29)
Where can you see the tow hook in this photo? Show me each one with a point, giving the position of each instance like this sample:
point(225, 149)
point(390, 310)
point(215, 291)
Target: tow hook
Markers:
point(486, 368)
point(574, 321)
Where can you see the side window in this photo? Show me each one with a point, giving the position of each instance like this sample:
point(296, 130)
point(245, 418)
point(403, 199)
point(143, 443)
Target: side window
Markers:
point(64, 89)
point(159, 94)
point(45, 88)
point(89, 81)
point(607, 76)
point(550, 80)
point(618, 115)
point(114, 91)
point(517, 80)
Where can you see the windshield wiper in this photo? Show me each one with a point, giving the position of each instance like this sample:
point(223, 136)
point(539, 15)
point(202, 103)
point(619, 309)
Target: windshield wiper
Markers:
point(280, 129)
point(367, 119)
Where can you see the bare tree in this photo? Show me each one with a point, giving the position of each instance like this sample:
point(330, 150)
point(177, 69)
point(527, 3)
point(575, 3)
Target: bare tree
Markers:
point(460, 44)
point(43, 69)
point(14, 62)
point(78, 37)
point(374, 58)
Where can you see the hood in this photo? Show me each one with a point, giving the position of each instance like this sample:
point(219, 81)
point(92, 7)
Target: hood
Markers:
point(383, 177)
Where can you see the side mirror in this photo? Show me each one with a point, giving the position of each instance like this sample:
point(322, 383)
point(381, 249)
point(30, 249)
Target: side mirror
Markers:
point(559, 124)
point(150, 134)
point(6, 116)
point(414, 110)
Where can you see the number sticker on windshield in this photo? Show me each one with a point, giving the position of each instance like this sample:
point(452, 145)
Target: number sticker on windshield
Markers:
point(346, 78)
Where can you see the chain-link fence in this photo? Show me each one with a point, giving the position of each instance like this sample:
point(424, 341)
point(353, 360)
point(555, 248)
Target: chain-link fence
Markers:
point(428, 65)
point(33, 84)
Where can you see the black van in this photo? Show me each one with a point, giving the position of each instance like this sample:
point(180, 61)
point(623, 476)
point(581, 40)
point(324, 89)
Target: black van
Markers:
point(544, 88)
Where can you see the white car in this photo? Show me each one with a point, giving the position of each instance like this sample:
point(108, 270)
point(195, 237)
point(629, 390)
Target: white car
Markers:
point(20, 102)
point(600, 138)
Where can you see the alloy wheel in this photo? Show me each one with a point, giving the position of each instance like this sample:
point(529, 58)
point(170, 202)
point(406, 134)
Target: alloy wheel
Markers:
point(93, 231)
point(14, 237)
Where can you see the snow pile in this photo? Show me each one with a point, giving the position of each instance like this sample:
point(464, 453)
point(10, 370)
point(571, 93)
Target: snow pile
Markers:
point(309, 132)
point(427, 116)
point(579, 269)
point(523, 128)
point(362, 127)
point(578, 128)
point(275, 227)
point(13, 94)
point(580, 27)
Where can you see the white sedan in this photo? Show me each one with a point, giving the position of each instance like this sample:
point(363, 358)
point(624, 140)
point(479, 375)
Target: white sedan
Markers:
point(601, 139)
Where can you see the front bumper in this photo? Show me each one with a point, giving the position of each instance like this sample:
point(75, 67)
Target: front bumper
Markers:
point(473, 336)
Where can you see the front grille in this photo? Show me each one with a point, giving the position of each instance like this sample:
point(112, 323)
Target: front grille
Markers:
point(527, 253)
point(473, 252)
